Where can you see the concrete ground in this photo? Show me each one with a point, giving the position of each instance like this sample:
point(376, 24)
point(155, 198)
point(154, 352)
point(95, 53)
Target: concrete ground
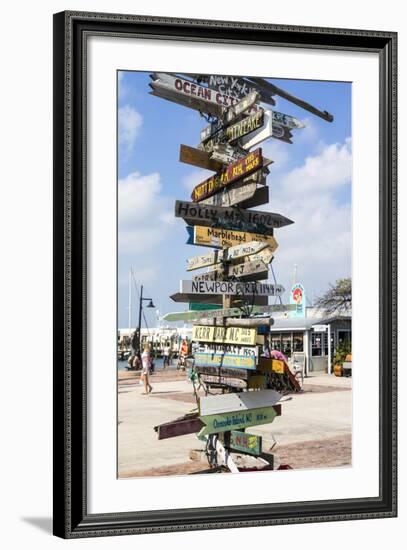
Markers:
point(314, 429)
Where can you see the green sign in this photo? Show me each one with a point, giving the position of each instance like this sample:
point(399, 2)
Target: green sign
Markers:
point(202, 307)
point(247, 443)
point(226, 422)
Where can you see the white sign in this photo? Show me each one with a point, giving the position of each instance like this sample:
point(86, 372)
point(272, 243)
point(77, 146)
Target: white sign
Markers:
point(256, 137)
point(319, 328)
point(231, 288)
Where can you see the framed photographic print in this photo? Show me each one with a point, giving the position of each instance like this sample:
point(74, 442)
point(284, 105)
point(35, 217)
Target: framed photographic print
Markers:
point(224, 274)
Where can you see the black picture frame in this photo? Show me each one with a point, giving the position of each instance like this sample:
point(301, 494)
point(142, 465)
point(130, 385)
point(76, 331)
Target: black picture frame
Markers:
point(71, 518)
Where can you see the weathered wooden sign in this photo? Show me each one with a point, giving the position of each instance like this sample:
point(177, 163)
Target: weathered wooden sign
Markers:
point(231, 349)
point(237, 301)
point(232, 253)
point(226, 422)
point(265, 256)
point(199, 158)
point(282, 133)
point(223, 380)
point(279, 121)
point(246, 195)
point(229, 312)
point(230, 402)
point(219, 238)
point(231, 288)
point(188, 93)
point(224, 335)
point(240, 130)
point(241, 374)
point(225, 360)
point(231, 114)
point(262, 133)
point(226, 153)
point(234, 86)
point(247, 443)
point(237, 170)
point(201, 214)
point(254, 271)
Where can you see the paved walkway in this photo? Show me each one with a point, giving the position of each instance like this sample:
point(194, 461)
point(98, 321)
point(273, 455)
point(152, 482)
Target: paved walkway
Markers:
point(322, 412)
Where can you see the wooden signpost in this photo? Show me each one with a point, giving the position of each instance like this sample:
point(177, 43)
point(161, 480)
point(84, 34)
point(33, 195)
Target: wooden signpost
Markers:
point(255, 220)
point(231, 288)
point(221, 238)
point(237, 170)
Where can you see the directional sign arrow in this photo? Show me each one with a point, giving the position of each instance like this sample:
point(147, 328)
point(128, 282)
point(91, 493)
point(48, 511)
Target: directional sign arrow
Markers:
point(229, 312)
point(231, 288)
point(234, 252)
point(226, 422)
point(246, 195)
point(235, 171)
point(221, 238)
point(232, 218)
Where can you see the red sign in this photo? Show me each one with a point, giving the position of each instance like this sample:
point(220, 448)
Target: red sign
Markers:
point(238, 169)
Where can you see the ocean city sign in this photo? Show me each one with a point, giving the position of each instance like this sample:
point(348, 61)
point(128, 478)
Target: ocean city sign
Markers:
point(199, 214)
point(231, 288)
point(238, 169)
point(232, 253)
point(187, 93)
point(220, 238)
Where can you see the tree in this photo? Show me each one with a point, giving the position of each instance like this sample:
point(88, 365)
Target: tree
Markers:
point(338, 298)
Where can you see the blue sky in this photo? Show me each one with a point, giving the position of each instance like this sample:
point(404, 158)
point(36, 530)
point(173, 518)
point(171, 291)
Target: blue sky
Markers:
point(310, 183)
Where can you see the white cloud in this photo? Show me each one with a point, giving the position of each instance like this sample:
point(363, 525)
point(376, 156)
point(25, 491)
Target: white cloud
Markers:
point(130, 122)
point(144, 215)
point(330, 169)
point(319, 241)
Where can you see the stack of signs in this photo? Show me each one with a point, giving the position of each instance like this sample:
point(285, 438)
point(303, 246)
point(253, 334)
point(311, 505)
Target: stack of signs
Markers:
point(227, 350)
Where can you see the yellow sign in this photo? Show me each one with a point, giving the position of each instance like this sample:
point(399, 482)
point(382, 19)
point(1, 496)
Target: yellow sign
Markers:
point(210, 236)
point(229, 335)
point(271, 365)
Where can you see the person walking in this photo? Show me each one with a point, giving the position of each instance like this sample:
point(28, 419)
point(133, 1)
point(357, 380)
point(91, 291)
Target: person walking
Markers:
point(145, 371)
point(166, 355)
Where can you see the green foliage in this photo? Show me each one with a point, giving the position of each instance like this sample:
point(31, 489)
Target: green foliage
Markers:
point(344, 349)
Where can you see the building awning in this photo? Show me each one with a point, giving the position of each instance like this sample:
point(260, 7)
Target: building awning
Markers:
point(282, 324)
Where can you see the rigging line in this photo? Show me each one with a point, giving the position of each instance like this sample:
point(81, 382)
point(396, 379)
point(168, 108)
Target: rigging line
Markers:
point(275, 281)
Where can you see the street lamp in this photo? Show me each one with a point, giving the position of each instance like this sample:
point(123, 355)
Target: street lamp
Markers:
point(139, 316)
